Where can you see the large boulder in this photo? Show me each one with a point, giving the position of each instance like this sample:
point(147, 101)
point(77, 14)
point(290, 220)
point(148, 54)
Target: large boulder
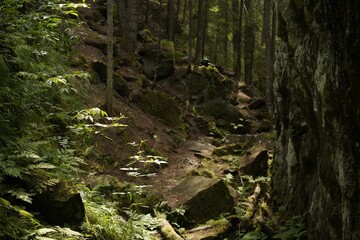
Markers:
point(203, 198)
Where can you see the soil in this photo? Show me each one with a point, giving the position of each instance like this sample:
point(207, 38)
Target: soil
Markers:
point(185, 147)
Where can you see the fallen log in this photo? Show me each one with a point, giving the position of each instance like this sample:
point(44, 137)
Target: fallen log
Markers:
point(251, 201)
point(168, 232)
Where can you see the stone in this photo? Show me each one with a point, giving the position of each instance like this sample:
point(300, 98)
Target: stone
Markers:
point(56, 209)
point(160, 105)
point(158, 61)
point(203, 198)
point(255, 161)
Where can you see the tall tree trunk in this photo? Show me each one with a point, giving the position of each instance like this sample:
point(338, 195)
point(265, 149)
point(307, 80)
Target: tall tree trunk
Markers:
point(200, 31)
point(190, 35)
point(122, 6)
point(206, 22)
point(235, 12)
point(177, 13)
point(183, 21)
point(249, 41)
point(170, 30)
point(239, 48)
point(110, 61)
point(133, 26)
point(147, 12)
point(226, 32)
point(268, 52)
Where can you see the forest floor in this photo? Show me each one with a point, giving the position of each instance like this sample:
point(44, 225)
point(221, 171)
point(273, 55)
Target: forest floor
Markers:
point(175, 152)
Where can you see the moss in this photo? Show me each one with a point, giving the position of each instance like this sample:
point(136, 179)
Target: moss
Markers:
point(203, 172)
point(162, 106)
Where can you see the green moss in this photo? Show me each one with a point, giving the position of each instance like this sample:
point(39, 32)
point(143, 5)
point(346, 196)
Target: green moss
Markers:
point(162, 106)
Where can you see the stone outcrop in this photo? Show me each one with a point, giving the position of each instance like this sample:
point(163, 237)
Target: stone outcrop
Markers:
point(317, 108)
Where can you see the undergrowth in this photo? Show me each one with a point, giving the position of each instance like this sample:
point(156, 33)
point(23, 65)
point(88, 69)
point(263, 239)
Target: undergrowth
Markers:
point(44, 128)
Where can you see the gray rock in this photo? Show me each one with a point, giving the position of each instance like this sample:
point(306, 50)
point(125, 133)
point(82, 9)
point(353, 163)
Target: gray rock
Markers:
point(203, 198)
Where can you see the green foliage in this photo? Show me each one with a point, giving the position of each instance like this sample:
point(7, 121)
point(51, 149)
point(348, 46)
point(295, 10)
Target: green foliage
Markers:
point(104, 222)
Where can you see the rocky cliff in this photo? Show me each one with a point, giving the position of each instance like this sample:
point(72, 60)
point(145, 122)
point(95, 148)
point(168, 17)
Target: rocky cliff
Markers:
point(317, 111)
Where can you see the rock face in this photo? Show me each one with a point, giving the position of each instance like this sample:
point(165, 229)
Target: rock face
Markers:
point(317, 107)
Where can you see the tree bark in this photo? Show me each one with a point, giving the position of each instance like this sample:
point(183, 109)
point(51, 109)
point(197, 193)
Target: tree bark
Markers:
point(235, 11)
point(147, 12)
point(110, 61)
point(206, 22)
point(268, 53)
point(237, 40)
point(170, 30)
point(190, 35)
point(133, 24)
point(249, 41)
point(226, 32)
point(122, 6)
point(200, 31)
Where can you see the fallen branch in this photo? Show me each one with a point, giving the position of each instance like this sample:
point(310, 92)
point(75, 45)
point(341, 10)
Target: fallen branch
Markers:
point(168, 232)
point(249, 212)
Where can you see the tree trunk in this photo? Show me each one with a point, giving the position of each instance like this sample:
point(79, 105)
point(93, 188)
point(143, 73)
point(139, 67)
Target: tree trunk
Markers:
point(170, 30)
point(183, 20)
point(268, 53)
point(200, 31)
point(147, 12)
point(122, 6)
point(206, 22)
point(110, 61)
point(177, 14)
point(249, 41)
point(235, 10)
point(226, 32)
point(133, 25)
point(190, 35)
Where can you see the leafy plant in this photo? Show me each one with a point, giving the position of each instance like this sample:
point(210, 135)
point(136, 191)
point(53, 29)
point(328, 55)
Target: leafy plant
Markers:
point(104, 222)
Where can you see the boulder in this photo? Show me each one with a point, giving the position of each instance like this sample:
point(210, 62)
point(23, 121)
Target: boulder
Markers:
point(60, 209)
point(227, 116)
point(203, 198)
point(158, 61)
point(160, 105)
point(121, 86)
point(255, 161)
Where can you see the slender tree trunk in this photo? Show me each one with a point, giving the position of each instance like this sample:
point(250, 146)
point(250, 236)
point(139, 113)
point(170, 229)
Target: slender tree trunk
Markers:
point(190, 35)
point(183, 21)
point(226, 32)
point(158, 48)
point(133, 26)
point(239, 47)
point(249, 41)
point(147, 12)
point(200, 31)
point(122, 6)
point(235, 12)
point(206, 22)
point(268, 52)
point(178, 8)
point(170, 19)
point(110, 61)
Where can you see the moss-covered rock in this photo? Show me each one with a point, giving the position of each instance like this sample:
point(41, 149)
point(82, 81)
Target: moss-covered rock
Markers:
point(203, 198)
point(158, 62)
point(160, 105)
